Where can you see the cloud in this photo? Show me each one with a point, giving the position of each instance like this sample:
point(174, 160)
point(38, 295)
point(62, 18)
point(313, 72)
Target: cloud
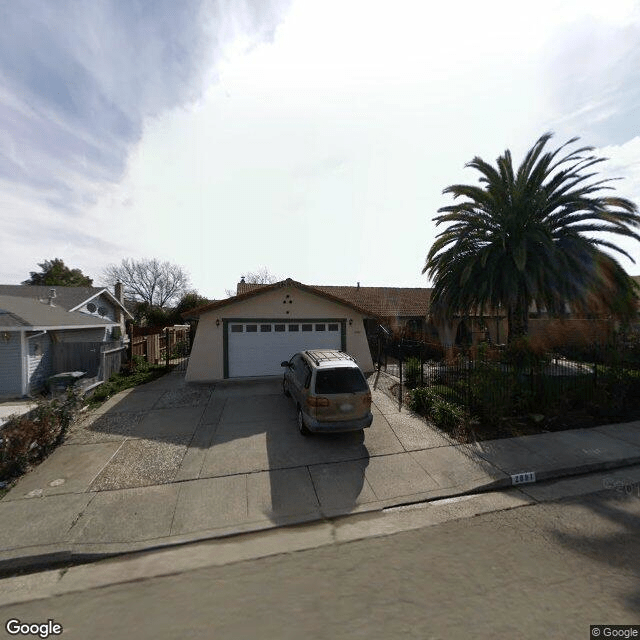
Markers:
point(79, 79)
point(593, 75)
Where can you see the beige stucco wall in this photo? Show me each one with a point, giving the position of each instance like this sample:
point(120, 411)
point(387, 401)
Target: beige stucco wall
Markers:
point(206, 363)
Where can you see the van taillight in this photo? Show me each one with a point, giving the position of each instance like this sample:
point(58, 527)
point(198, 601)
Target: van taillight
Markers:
point(366, 400)
point(317, 402)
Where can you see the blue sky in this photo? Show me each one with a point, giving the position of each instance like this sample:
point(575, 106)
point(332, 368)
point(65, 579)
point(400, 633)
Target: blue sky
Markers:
point(313, 139)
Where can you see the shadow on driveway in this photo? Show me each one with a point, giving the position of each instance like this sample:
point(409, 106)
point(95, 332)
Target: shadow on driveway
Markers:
point(237, 439)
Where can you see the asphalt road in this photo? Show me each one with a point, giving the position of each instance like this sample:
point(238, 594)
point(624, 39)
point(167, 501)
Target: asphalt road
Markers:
point(543, 571)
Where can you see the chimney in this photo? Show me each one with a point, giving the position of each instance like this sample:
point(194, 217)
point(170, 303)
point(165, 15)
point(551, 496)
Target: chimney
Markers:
point(119, 295)
point(242, 279)
point(52, 295)
point(358, 285)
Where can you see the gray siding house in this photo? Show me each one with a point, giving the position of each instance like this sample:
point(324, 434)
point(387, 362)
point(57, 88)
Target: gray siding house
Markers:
point(34, 329)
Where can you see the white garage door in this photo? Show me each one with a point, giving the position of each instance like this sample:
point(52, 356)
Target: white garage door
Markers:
point(258, 348)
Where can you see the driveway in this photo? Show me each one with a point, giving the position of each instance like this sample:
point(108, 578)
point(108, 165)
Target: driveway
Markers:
point(169, 461)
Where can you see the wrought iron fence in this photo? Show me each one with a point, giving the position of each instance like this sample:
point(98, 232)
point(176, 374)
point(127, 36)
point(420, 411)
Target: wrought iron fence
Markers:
point(490, 383)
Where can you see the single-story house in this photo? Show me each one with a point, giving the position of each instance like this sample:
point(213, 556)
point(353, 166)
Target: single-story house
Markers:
point(250, 334)
point(30, 330)
point(402, 309)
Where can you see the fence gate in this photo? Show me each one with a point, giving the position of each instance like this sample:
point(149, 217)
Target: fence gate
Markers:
point(175, 346)
point(168, 346)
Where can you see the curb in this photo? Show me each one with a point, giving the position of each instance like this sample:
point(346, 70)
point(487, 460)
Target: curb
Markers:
point(64, 557)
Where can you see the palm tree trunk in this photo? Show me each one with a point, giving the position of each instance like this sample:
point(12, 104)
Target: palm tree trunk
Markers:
point(518, 320)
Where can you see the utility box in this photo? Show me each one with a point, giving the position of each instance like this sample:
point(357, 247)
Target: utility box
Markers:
point(62, 381)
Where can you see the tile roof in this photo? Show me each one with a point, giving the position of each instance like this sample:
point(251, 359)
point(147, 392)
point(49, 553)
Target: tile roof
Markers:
point(387, 302)
point(19, 312)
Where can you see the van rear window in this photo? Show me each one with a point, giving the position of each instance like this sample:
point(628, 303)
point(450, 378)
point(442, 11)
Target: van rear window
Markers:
point(340, 381)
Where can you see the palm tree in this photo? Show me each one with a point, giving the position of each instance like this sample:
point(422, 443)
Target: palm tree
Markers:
point(527, 236)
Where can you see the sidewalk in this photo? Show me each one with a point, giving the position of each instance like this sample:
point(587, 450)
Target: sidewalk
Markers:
point(169, 463)
point(10, 408)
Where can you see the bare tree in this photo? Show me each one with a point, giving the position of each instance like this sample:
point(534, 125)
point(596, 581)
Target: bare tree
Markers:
point(261, 276)
point(149, 280)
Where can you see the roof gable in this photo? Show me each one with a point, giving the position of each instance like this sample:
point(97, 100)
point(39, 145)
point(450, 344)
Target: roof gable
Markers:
point(262, 289)
point(69, 298)
point(24, 313)
point(385, 302)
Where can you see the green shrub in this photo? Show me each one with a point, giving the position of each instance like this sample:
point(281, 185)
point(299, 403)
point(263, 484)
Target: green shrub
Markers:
point(31, 437)
point(120, 381)
point(421, 400)
point(447, 416)
point(453, 394)
point(412, 372)
point(490, 391)
point(139, 363)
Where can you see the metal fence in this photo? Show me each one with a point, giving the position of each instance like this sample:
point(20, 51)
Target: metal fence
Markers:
point(494, 382)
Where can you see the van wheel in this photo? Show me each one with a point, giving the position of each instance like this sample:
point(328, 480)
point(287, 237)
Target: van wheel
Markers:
point(285, 388)
point(302, 427)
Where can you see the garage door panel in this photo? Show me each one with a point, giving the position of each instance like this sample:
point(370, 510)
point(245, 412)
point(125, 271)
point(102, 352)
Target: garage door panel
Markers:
point(260, 352)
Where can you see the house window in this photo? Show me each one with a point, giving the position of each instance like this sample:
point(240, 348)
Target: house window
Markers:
point(319, 327)
point(307, 327)
point(279, 327)
point(102, 311)
point(265, 328)
point(294, 327)
point(333, 327)
point(91, 308)
point(252, 328)
point(236, 328)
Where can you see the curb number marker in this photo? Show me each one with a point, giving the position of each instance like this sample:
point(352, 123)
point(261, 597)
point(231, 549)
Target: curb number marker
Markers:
point(523, 478)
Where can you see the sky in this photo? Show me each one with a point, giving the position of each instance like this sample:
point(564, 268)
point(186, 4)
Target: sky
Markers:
point(313, 139)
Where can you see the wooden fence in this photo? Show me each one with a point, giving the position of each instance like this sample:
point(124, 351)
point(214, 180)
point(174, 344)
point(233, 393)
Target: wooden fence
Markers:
point(112, 362)
point(152, 343)
point(99, 360)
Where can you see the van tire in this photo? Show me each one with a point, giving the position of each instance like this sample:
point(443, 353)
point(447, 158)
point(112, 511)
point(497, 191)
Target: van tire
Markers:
point(302, 427)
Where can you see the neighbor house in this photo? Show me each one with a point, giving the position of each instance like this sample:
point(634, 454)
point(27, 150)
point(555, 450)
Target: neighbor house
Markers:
point(250, 334)
point(50, 330)
point(97, 302)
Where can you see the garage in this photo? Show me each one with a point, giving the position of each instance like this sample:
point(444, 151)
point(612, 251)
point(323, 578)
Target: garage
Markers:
point(257, 348)
point(250, 334)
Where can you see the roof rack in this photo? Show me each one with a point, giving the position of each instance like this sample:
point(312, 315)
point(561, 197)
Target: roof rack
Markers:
point(318, 355)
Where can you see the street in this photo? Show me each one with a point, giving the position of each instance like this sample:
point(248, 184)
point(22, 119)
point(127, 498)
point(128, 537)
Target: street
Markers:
point(547, 570)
